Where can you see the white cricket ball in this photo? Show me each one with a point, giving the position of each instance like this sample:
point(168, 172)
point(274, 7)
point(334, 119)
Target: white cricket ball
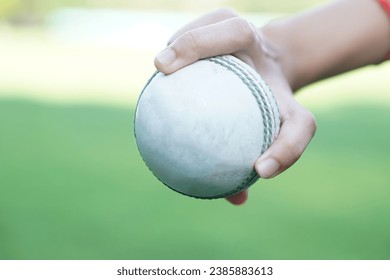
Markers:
point(201, 129)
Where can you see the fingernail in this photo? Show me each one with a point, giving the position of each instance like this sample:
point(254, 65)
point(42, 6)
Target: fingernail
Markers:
point(268, 168)
point(166, 57)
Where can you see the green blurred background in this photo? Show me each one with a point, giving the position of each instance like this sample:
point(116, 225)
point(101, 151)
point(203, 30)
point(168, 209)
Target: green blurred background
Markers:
point(73, 186)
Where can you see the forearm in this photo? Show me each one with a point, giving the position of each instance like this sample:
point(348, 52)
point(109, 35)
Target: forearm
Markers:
point(331, 39)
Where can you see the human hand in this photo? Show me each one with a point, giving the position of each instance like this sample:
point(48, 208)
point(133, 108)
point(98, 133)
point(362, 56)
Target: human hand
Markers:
point(224, 32)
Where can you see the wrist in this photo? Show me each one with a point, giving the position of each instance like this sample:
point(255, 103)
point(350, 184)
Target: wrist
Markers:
point(276, 49)
point(330, 39)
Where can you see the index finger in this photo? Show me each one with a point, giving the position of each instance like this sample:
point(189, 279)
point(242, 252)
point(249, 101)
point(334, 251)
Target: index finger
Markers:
point(206, 19)
point(226, 37)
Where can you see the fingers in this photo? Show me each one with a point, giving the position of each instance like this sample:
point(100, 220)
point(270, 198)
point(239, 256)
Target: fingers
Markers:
point(225, 37)
point(296, 132)
point(239, 198)
point(207, 19)
point(223, 32)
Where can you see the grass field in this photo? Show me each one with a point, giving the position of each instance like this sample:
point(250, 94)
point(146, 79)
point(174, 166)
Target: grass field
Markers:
point(73, 186)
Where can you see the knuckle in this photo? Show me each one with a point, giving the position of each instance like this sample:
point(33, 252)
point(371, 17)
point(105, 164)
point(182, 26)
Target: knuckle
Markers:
point(190, 41)
point(246, 30)
point(294, 152)
point(304, 116)
point(310, 121)
point(226, 12)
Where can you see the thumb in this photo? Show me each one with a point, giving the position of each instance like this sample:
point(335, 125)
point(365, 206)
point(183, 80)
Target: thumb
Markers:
point(295, 134)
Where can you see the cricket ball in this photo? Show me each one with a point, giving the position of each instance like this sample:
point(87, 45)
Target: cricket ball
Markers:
point(201, 129)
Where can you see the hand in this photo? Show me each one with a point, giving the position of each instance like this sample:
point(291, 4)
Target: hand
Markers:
point(224, 32)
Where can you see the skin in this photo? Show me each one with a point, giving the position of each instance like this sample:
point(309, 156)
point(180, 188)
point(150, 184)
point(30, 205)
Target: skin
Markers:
point(288, 53)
